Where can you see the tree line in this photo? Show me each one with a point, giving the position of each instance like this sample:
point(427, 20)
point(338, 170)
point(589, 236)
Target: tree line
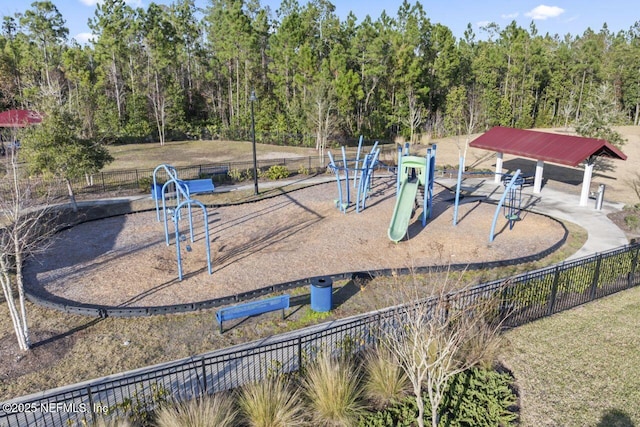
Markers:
point(176, 71)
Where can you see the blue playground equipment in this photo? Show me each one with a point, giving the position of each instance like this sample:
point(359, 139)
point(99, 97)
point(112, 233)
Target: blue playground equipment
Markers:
point(182, 194)
point(362, 170)
point(413, 172)
point(510, 202)
point(180, 238)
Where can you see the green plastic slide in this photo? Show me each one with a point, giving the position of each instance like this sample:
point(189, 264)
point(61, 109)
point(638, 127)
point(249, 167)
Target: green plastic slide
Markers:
point(402, 211)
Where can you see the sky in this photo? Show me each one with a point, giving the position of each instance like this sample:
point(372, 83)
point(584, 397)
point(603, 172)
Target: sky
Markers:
point(553, 16)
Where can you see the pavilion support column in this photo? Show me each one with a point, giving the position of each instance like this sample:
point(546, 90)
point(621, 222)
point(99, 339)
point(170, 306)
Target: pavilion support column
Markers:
point(586, 183)
point(498, 177)
point(537, 181)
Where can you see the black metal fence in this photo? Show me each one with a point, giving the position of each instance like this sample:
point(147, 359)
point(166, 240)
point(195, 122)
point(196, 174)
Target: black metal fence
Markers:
point(523, 298)
point(140, 179)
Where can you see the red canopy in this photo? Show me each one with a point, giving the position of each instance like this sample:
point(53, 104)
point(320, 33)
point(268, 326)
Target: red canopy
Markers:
point(550, 147)
point(19, 118)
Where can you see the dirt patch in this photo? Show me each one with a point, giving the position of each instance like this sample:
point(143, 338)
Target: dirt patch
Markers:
point(125, 262)
point(51, 348)
point(628, 220)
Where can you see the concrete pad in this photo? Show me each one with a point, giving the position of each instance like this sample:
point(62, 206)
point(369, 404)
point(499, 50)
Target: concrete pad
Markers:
point(603, 234)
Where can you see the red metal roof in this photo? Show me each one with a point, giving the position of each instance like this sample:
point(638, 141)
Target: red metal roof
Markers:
point(19, 118)
point(549, 147)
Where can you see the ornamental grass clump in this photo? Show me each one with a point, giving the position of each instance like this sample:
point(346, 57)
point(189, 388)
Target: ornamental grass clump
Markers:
point(332, 388)
point(384, 382)
point(217, 410)
point(271, 403)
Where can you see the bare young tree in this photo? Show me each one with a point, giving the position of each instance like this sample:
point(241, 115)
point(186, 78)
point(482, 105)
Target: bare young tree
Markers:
point(436, 338)
point(322, 115)
point(415, 112)
point(24, 230)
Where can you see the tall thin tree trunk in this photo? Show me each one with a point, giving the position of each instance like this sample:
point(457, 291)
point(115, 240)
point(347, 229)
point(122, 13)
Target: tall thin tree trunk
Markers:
point(584, 75)
point(72, 196)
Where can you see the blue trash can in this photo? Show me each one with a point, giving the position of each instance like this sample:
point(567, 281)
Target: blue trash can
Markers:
point(156, 191)
point(321, 291)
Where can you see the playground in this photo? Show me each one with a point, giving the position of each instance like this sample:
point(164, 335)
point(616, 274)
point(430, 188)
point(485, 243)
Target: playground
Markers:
point(124, 261)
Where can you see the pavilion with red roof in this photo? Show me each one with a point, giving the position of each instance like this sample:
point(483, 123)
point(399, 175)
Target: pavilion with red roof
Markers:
point(543, 147)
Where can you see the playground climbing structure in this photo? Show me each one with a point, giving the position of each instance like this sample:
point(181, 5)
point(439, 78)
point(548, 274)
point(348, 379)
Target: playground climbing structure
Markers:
point(510, 202)
point(182, 194)
point(413, 172)
point(359, 170)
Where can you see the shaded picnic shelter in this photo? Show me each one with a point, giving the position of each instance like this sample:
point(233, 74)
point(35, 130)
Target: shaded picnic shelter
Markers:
point(544, 147)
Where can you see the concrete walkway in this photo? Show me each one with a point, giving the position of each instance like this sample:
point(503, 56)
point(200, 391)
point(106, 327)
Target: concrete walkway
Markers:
point(603, 234)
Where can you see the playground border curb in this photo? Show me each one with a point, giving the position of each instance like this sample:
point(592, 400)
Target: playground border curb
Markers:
point(101, 311)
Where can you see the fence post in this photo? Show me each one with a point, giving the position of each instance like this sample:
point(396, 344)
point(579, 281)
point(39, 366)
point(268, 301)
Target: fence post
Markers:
point(91, 408)
point(299, 353)
point(137, 180)
point(554, 291)
point(104, 189)
point(596, 276)
point(632, 273)
point(204, 377)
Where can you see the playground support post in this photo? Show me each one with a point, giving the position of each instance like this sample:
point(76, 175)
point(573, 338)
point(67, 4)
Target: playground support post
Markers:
point(355, 175)
point(426, 208)
point(507, 190)
point(457, 201)
point(253, 99)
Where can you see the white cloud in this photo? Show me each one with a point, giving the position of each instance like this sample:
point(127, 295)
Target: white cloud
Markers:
point(509, 15)
point(481, 24)
point(83, 38)
point(543, 12)
point(89, 2)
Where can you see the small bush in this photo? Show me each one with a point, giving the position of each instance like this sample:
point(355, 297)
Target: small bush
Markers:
point(209, 411)
point(477, 397)
point(632, 221)
point(235, 175)
point(145, 183)
point(333, 392)
point(302, 170)
point(277, 172)
point(385, 381)
point(270, 403)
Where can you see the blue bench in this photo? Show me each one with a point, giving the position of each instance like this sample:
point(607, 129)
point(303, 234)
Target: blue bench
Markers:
point(214, 170)
point(252, 308)
point(195, 186)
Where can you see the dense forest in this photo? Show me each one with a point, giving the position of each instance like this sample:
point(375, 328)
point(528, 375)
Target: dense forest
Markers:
point(178, 71)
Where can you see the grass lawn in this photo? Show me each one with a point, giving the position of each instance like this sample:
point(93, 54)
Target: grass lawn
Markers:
point(70, 348)
point(184, 153)
point(580, 367)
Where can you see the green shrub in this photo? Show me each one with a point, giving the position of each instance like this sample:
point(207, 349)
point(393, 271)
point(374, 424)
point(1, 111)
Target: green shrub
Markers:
point(632, 221)
point(277, 172)
point(236, 175)
point(145, 183)
point(477, 397)
point(302, 170)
